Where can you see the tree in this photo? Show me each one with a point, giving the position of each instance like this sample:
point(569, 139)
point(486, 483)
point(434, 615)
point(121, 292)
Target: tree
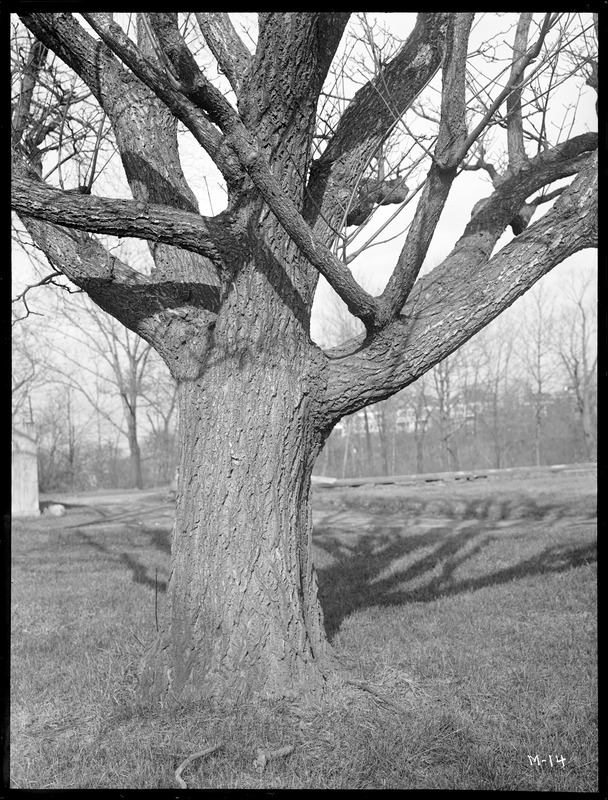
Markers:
point(417, 401)
point(444, 376)
point(493, 354)
point(160, 393)
point(537, 355)
point(227, 304)
point(27, 371)
point(577, 351)
point(125, 356)
point(60, 442)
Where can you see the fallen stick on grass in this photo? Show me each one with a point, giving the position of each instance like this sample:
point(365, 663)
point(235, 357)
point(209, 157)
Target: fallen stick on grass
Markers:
point(178, 772)
point(264, 756)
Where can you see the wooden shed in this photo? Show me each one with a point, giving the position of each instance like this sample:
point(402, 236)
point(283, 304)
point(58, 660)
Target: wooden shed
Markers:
point(24, 483)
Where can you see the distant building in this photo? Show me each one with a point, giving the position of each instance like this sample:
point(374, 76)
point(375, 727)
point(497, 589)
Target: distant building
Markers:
point(24, 471)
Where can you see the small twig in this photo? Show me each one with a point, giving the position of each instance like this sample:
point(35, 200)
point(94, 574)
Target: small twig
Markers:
point(178, 772)
point(547, 197)
point(43, 282)
point(264, 756)
point(380, 697)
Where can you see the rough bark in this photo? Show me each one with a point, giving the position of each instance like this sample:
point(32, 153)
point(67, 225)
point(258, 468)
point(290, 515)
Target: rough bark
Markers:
point(243, 615)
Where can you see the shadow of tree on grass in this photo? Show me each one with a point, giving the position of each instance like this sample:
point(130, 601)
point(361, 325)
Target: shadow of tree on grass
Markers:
point(359, 567)
point(140, 538)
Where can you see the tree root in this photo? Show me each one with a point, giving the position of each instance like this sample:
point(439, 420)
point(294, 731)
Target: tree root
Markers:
point(178, 772)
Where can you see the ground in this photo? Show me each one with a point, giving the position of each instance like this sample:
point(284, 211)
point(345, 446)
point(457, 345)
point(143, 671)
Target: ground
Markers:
point(465, 611)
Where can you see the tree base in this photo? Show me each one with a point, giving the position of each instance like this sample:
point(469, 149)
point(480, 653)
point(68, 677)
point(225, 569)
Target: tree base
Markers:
point(160, 684)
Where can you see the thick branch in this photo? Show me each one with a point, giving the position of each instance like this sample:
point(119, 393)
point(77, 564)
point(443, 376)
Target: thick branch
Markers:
point(99, 69)
point(128, 295)
point(207, 236)
point(279, 97)
point(35, 62)
point(232, 56)
point(374, 108)
point(191, 82)
point(457, 299)
point(166, 314)
point(369, 119)
point(516, 76)
point(515, 134)
point(492, 214)
point(452, 130)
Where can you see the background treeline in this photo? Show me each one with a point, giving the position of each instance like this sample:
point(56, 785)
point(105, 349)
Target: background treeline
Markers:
point(522, 392)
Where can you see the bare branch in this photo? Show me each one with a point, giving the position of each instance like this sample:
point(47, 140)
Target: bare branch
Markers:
point(372, 111)
point(96, 65)
point(516, 76)
point(232, 56)
point(122, 218)
point(515, 137)
point(35, 62)
point(191, 83)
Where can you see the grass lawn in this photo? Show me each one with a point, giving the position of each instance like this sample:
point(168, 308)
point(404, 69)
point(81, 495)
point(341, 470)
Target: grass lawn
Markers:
point(467, 611)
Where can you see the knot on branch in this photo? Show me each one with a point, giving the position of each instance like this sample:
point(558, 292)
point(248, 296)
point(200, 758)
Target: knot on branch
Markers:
point(521, 220)
point(375, 192)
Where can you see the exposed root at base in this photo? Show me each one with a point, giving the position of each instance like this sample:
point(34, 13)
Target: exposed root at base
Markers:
point(394, 691)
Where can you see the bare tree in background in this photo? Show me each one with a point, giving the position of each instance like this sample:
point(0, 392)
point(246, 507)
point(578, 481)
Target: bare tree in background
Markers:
point(493, 351)
point(576, 346)
point(159, 391)
point(417, 400)
point(119, 360)
point(537, 356)
point(446, 390)
point(28, 370)
point(227, 303)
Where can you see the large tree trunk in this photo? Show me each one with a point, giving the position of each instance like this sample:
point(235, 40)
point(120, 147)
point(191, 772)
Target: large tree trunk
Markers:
point(242, 612)
point(256, 397)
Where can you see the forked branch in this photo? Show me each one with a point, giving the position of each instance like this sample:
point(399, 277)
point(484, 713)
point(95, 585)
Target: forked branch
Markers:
point(452, 130)
point(458, 298)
